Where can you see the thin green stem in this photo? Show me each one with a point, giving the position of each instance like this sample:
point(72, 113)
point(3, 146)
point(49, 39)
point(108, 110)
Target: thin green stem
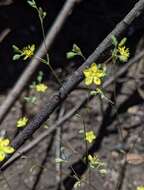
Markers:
point(47, 55)
point(50, 67)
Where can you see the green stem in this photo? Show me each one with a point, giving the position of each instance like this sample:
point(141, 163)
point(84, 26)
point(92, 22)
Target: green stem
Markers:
point(47, 55)
point(50, 67)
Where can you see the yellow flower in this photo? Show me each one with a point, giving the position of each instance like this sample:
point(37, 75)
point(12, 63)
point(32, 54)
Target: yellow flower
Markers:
point(41, 87)
point(140, 188)
point(95, 162)
point(22, 122)
point(28, 51)
point(93, 75)
point(90, 136)
point(5, 148)
point(123, 53)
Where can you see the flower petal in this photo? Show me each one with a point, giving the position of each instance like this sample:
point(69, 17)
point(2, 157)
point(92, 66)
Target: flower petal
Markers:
point(100, 73)
point(87, 72)
point(2, 155)
point(5, 142)
point(8, 149)
point(97, 81)
point(32, 48)
point(94, 67)
point(88, 80)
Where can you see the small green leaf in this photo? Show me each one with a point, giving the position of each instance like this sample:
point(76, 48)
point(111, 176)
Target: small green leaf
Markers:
point(16, 57)
point(76, 49)
point(16, 49)
point(46, 126)
point(40, 76)
point(81, 131)
point(30, 99)
point(93, 93)
point(59, 160)
point(32, 3)
point(77, 185)
point(114, 40)
point(42, 13)
point(103, 171)
point(71, 55)
point(122, 42)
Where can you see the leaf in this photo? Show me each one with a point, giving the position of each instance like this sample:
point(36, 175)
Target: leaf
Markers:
point(16, 49)
point(30, 99)
point(71, 55)
point(122, 42)
point(46, 126)
point(77, 184)
point(114, 40)
point(42, 13)
point(76, 49)
point(59, 160)
point(32, 3)
point(40, 76)
point(16, 57)
point(93, 93)
point(81, 131)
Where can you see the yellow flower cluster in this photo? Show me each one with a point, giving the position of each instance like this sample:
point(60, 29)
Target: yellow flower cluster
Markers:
point(41, 87)
point(123, 53)
point(5, 148)
point(28, 51)
point(93, 75)
point(90, 136)
point(22, 122)
point(120, 51)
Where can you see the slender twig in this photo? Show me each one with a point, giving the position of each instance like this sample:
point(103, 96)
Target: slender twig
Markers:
point(26, 75)
point(44, 41)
